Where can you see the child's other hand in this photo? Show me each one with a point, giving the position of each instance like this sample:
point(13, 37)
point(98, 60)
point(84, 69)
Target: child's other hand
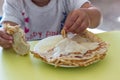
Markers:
point(77, 21)
point(5, 39)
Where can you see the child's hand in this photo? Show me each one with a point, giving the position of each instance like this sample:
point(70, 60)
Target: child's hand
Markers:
point(5, 39)
point(77, 21)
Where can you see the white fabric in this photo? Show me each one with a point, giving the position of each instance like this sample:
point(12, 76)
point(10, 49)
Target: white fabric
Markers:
point(40, 22)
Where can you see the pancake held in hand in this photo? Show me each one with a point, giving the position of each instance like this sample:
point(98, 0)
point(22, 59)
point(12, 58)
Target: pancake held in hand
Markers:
point(20, 45)
point(80, 50)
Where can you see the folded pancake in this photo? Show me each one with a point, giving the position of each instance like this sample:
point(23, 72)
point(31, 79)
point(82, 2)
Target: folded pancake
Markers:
point(19, 45)
point(80, 50)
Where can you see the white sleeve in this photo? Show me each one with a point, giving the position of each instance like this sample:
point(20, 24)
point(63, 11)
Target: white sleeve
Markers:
point(11, 11)
point(75, 4)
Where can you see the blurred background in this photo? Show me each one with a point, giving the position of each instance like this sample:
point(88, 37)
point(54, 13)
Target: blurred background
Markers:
point(111, 14)
point(109, 9)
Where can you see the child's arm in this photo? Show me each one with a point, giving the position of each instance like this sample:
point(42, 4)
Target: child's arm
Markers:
point(86, 16)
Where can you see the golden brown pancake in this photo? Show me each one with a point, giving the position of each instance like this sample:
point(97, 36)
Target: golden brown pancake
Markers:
point(81, 50)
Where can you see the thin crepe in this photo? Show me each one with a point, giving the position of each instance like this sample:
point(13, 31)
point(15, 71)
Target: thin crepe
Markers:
point(81, 50)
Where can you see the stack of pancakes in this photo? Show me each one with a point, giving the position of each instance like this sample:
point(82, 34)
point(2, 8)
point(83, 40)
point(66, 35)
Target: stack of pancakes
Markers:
point(80, 50)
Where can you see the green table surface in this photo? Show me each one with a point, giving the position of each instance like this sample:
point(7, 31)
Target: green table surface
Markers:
point(15, 67)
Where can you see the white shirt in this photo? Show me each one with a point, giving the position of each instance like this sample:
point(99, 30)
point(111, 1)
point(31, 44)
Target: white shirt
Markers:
point(39, 22)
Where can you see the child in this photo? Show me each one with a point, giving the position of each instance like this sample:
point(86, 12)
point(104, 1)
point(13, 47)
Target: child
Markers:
point(43, 18)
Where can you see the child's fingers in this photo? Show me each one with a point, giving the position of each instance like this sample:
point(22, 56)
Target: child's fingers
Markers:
point(76, 25)
point(5, 43)
point(69, 21)
point(5, 35)
point(75, 19)
point(82, 27)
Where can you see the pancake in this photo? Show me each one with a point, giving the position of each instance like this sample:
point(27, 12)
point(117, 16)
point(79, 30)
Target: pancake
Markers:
point(80, 50)
point(19, 45)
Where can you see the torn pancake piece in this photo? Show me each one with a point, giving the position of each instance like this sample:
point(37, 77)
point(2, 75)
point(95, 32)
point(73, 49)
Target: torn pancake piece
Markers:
point(64, 33)
point(81, 50)
point(19, 45)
